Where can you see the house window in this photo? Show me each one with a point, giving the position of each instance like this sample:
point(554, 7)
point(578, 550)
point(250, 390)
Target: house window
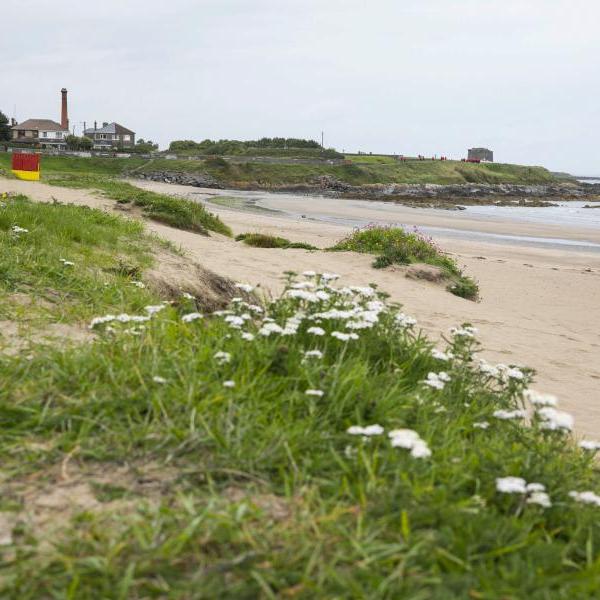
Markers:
point(126, 138)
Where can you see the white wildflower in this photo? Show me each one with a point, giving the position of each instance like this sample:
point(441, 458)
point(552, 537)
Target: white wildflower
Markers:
point(152, 310)
point(555, 420)
point(507, 415)
point(589, 445)
point(367, 292)
point(467, 331)
point(159, 379)
point(303, 295)
point(368, 431)
point(66, 263)
point(487, 369)
point(188, 296)
point(268, 328)
point(515, 373)
point(344, 337)
point(322, 295)
point(541, 498)
point(437, 380)
point(481, 424)
point(309, 274)
point(229, 383)
point(439, 355)
point(139, 284)
point(100, 320)
point(405, 321)
point(539, 399)
point(245, 287)
point(511, 485)
point(318, 393)
point(234, 321)
point(17, 229)
point(313, 354)
point(410, 440)
point(536, 487)
point(587, 497)
point(247, 336)
point(191, 317)
point(222, 358)
point(329, 276)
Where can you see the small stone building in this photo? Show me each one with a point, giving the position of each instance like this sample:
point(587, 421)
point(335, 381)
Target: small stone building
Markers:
point(481, 154)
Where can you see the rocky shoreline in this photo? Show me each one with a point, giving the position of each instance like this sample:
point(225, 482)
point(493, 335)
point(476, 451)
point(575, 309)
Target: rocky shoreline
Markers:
point(426, 195)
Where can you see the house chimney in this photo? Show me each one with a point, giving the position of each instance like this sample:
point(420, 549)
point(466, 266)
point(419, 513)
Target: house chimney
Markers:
point(95, 125)
point(64, 115)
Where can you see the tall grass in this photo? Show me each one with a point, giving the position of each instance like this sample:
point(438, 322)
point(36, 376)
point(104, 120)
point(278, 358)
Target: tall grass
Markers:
point(396, 245)
point(261, 240)
point(274, 495)
point(176, 212)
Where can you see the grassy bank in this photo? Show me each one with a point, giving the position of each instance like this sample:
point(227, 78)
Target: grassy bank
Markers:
point(176, 212)
point(395, 245)
point(317, 447)
point(378, 170)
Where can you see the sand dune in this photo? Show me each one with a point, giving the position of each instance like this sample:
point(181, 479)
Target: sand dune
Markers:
point(538, 307)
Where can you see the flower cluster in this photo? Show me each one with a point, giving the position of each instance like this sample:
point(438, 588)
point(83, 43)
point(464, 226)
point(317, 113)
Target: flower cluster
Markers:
point(535, 493)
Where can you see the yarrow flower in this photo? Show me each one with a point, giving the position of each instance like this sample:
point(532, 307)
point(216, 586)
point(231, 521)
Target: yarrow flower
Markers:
point(152, 310)
point(17, 229)
point(405, 321)
point(481, 425)
point(329, 276)
point(410, 440)
point(66, 263)
point(229, 383)
point(313, 354)
point(159, 379)
point(318, 393)
point(309, 274)
point(554, 420)
point(589, 445)
point(587, 497)
point(538, 399)
point(508, 415)
point(191, 317)
point(367, 431)
point(439, 355)
point(466, 331)
point(139, 284)
point(268, 328)
point(247, 336)
point(245, 287)
point(222, 358)
point(437, 380)
point(535, 492)
point(344, 337)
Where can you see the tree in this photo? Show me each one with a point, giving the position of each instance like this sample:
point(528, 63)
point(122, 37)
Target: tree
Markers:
point(86, 143)
point(78, 143)
point(5, 133)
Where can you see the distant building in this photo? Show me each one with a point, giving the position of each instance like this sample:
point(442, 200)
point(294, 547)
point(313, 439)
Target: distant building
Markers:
point(481, 154)
point(110, 135)
point(40, 133)
point(44, 133)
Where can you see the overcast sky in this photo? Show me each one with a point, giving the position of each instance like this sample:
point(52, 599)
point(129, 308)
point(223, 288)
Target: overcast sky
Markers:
point(396, 76)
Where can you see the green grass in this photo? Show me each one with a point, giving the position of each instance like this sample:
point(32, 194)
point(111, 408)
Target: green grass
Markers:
point(267, 495)
point(379, 169)
point(395, 245)
point(261, 240)
point(176, 212)
point(109, 254)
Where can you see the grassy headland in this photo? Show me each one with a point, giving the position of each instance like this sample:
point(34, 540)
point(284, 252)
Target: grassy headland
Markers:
point(315, 447)
point(247, 174)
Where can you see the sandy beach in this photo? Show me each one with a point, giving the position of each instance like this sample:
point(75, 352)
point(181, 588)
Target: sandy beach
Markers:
point(538, 304)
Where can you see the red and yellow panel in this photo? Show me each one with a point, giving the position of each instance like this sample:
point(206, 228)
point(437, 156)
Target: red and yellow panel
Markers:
point(26, 166)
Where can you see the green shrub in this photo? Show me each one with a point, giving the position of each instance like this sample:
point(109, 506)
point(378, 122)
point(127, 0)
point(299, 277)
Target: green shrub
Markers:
point(176, 212)
point(396, 245)
point(260, 240)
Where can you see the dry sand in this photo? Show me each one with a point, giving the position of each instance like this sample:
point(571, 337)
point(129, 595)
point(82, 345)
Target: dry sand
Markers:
point(538, 308)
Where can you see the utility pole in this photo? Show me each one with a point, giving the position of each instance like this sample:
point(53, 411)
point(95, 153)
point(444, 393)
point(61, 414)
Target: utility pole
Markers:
point(322, 146)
